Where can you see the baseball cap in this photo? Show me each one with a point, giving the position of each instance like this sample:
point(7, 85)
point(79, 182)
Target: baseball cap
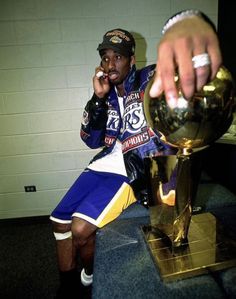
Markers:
point(118, 40)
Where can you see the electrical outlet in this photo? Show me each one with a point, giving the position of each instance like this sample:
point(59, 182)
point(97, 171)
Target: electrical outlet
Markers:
point(30, 188)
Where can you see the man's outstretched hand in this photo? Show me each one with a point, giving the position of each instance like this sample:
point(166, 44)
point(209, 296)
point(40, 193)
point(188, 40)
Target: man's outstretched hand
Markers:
point(181, 42)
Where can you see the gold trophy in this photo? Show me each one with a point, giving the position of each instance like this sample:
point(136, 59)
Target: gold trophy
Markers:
point(190, 127)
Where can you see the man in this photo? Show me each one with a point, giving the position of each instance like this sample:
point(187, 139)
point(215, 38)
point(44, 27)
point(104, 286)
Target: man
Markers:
point(114, 120)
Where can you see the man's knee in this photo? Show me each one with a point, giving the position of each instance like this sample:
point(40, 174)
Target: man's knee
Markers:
point(61, 231)
point(82, 231)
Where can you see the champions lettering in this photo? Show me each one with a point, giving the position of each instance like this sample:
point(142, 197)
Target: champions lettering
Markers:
point(135, 141)
point(118, 33)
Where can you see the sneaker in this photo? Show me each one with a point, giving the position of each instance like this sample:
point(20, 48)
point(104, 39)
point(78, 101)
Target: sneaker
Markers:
point(86, 279)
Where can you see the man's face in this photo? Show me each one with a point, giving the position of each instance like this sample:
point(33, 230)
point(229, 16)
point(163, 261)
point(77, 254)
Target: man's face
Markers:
point(116, 66)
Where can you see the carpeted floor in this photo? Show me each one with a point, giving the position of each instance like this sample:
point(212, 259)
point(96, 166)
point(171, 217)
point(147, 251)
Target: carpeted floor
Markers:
point(28, 265)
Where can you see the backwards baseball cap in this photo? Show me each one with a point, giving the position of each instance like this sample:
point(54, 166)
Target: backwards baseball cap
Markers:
point(118, 40)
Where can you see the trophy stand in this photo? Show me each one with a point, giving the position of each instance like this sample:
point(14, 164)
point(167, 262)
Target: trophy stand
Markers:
point(181, 243)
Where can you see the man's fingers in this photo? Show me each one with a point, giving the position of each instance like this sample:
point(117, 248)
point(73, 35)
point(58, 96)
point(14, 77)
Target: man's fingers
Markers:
point(166, 70)
point(215, 57)
point(99, 74)
point(156, 88)
point(202, 76)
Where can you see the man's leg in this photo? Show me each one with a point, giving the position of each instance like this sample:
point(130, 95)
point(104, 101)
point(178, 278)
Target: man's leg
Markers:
point(66, 256)
point(83, 234)
point(71, 240)
point(66, 253)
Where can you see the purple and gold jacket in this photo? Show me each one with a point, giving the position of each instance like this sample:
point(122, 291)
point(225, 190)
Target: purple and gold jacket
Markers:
point(103, 124)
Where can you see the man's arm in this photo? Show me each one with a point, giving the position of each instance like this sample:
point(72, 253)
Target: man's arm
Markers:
point(93, 125)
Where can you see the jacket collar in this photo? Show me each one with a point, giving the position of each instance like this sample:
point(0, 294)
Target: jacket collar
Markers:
point(129, 81)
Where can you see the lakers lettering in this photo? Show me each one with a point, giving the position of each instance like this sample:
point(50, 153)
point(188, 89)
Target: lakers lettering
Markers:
point(113, 120)
point(134, 118)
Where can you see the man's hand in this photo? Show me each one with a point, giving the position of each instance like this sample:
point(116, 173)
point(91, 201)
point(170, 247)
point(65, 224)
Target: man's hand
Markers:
point(101, 84)
point(181, 42)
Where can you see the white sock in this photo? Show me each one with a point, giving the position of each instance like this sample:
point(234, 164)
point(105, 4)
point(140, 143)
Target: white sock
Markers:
point(85, 278)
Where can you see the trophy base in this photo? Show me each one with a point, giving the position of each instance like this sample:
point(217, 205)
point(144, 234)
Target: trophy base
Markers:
point(207, 249)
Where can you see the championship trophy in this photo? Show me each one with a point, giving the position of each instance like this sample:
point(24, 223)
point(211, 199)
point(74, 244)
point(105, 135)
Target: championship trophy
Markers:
point(181, 243)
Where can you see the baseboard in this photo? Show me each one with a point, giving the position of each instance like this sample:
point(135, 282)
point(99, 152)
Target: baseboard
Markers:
point(25, 220)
